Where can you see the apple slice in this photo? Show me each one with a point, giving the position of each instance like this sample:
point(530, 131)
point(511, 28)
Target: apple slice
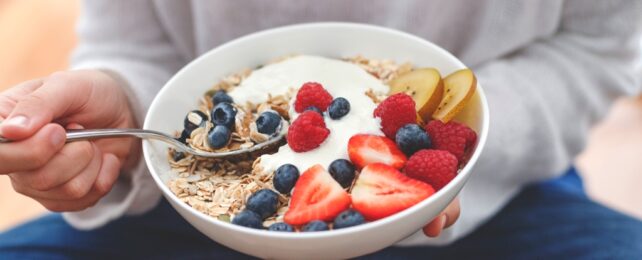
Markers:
point(424, 86)
point(459, 87)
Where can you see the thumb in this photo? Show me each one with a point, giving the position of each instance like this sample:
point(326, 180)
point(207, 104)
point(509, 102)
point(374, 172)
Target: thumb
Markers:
point(59, 94)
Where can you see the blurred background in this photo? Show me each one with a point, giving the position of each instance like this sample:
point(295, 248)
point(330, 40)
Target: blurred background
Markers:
point(37, 36)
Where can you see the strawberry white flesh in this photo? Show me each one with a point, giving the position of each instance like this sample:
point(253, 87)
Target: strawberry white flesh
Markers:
point(382, 190)
point(366, 149)
point(316, 196)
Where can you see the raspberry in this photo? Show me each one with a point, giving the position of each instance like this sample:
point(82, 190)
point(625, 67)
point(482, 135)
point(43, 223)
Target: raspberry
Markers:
point(434, 167)
point(454, 137)
point(307, 132)
point(396, 111)
point(312, 94)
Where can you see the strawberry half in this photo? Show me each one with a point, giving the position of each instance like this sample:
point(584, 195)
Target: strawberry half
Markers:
point(366, 149)
point(316, 196)
point(381, 191)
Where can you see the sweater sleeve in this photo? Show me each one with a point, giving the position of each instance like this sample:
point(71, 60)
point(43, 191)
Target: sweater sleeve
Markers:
point(126, 39)
point(543, 99)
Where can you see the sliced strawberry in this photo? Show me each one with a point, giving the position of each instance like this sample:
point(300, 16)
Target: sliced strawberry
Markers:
point(366, 149)
point(316, 196)
point(381, 191)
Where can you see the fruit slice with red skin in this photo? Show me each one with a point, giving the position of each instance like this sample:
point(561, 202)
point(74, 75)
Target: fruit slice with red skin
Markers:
point(365, 149)
point(316, 196)
point(381, 191)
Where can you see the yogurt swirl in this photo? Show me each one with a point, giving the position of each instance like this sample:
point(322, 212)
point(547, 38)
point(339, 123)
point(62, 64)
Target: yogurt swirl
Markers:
point(340, 79)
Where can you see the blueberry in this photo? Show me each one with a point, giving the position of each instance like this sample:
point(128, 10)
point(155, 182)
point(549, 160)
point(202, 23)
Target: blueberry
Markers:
point(338, 108)
point(184, 135)
point(412, 138)
point(224, 114)
point(248, 218)
point(281, 226)
point(194, 119)
point(313, 108)
point(315, 225)
point(268, 122)
point(177, 156)
point(219, 136)
point(342, 171)
point(263, 202)
point(285, 178)
point(348, 218)
point(221, 97)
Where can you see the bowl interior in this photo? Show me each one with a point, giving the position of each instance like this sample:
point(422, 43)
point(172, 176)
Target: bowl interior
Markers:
point(335, 40)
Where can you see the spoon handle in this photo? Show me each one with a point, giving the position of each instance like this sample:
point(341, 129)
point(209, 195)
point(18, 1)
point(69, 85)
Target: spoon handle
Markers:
point(87, 134)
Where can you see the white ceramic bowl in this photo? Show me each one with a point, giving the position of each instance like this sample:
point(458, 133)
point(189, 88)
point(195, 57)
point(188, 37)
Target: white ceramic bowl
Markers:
point(338, 40)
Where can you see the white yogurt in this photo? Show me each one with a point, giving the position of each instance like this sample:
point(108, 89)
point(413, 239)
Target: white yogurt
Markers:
point(340, 79)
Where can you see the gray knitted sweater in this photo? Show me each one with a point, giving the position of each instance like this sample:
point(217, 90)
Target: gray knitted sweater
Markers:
point(550, 69)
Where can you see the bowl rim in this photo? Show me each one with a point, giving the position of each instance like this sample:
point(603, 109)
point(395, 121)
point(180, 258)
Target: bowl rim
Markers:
point(462, 176)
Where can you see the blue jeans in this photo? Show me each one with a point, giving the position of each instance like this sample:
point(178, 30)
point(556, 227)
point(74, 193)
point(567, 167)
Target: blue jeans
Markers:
point(553, 219)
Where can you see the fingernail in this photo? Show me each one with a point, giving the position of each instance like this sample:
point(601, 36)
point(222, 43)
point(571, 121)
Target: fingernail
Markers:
point(19, 121)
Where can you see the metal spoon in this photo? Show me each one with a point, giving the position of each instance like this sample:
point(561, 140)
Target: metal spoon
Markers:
point(87, 134)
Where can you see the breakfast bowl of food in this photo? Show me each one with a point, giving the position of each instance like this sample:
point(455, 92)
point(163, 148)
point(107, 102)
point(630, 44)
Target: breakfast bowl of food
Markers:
point(360, 122)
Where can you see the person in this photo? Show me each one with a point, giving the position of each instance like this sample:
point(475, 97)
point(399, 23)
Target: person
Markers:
point(550, 69)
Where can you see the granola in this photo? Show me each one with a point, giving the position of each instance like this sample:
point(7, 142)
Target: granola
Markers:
point(219, 188)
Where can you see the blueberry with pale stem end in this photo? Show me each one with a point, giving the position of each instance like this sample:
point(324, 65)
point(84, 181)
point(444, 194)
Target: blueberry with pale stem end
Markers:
point(194, 119)
point(224, 114)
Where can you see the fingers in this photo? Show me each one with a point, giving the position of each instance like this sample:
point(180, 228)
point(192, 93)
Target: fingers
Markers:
point(446, 219)
point(77, 187)
point(22, 89)
point(434, 228)
point(59, 94)
point(452, 213)
point(109, 172)
point(65, 165)
point(107, 176)
point(9, 97)
point(5, 108)
point(34, 152)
